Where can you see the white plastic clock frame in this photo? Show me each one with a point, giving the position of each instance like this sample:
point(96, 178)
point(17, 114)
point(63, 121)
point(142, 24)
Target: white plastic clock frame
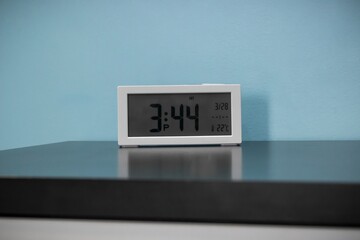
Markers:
point(125, 141)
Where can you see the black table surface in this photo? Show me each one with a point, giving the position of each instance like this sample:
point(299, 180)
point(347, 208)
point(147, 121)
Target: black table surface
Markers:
point(261, 182)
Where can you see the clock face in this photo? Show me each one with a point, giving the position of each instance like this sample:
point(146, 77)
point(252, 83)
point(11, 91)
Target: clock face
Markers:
point(164, 115)
point(179, 114)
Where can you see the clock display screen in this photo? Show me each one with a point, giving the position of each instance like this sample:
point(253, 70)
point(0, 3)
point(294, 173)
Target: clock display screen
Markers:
point(179, 114)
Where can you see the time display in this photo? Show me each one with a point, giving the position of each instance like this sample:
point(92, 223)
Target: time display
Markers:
point(180, 114)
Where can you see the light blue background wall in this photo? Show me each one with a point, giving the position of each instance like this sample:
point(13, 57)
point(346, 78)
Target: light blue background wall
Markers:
point(60, 61)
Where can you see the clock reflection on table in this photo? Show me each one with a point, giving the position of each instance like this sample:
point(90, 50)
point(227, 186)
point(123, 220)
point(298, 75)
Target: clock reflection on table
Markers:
point(174, 163)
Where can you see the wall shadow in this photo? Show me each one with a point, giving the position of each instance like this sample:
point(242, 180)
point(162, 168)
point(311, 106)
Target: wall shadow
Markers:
point(255, 118)
point(255, 127)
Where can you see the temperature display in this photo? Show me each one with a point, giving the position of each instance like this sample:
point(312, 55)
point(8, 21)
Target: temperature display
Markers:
point(180, 114)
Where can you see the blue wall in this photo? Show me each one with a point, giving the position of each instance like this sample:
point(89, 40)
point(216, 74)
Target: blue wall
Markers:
point(60, 61)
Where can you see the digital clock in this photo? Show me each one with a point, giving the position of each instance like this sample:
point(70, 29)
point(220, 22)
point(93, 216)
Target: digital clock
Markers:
point(179, 115)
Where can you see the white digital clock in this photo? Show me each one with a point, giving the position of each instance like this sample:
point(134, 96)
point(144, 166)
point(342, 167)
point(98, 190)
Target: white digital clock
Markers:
point(208, 114)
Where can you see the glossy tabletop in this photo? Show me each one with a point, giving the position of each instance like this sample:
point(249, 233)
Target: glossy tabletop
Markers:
point(276, 182)
point(299, 161)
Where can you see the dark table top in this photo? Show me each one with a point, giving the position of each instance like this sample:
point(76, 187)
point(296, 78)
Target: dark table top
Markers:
point(277, 182)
